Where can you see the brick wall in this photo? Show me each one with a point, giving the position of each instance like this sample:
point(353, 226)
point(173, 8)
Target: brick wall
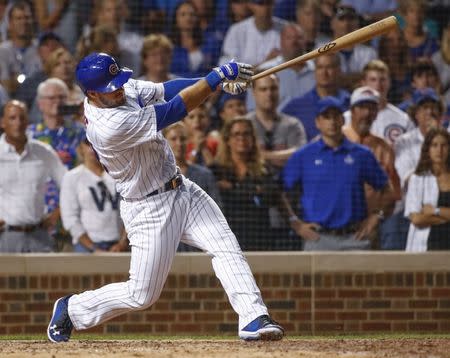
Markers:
point(307, 293)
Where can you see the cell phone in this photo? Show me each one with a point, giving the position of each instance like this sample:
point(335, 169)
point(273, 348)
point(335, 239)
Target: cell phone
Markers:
point(69, 109)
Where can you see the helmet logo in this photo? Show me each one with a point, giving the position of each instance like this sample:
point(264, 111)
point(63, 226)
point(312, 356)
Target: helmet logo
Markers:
point(113, 69)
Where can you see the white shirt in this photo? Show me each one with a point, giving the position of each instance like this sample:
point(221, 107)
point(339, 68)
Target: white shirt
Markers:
point(292, 83)
point(86, 208)
point(422, 190)
point(245, 43)
point(23, 179)
point(407, 153)
point(391, 122)
point(127, 143)
point(361, 55)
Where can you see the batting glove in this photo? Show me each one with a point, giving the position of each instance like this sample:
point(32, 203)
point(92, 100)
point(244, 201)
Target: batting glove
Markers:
point(234, 87)
point(231, 71)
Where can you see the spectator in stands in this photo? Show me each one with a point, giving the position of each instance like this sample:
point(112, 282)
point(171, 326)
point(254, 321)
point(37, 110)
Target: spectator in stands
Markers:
point(428, 196)
point(244, 39)
point(353, 59)
point(372, 10)
point(61, 64)
point(308, 16)
point(427, 114)
point(419, 42)
point(327, 10)
point(18, 55)
point(103, 38)
point(441, 61)
point(188, 58)
point(424, 75)
point(63, 135)
point(228, 106)
point(201, 147)
point(390, 122)
point(296, 80)
point(176, 135)
point(59, 17)
point(279, 135)
point(393, 50)
point(364, 104)
point(238, 10)
point(327, 72)
point(155, 56)
point(246, 189)
point(113, 13)
point(90, 206)
point(47, 43)
point(331, 173)
point(26, 165)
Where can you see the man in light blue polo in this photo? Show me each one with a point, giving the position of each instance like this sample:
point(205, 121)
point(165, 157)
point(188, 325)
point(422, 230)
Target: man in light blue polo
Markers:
point(331, 172)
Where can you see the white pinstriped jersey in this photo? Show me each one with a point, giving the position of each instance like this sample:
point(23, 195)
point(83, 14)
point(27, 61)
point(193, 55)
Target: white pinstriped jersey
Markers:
point(127, 142)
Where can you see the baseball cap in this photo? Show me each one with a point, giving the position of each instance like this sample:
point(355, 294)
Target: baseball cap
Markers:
point(364, 94)
point(343, 11)
point(225, 97)
point(325, 103)
point(425, 94)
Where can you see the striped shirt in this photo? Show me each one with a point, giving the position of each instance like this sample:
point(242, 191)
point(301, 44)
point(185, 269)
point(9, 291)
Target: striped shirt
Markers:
point(127, 142)
point(23, 179)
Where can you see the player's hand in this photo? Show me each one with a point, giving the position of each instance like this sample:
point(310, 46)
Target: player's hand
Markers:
point(241, 72)
point(234, 87)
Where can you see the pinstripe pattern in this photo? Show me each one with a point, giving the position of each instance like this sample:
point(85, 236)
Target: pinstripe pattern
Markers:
point(140, 160)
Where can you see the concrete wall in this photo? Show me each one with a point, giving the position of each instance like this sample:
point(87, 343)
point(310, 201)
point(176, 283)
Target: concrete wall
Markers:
point(308, 293)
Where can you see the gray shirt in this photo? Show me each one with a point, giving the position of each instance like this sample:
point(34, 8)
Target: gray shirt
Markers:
point(14, 61)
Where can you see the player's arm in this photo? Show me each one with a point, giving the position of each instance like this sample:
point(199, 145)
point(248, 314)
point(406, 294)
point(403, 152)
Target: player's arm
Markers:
point(192, 96)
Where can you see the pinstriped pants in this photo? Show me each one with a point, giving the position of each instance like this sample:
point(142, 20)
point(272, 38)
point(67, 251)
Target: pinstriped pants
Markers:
point(155, 226)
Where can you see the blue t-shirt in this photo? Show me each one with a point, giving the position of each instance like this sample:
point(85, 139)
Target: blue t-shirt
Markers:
point(305, 109)
point(332, 181)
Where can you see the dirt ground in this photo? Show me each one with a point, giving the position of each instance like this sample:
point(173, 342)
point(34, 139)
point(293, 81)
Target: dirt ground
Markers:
point(314, 348)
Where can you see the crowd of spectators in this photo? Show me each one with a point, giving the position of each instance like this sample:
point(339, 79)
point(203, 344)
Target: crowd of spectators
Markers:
point(350, 151)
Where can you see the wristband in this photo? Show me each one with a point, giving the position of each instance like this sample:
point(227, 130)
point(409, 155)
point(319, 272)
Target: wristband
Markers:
point(437, 211)
point(214, 79)
point(293, 218)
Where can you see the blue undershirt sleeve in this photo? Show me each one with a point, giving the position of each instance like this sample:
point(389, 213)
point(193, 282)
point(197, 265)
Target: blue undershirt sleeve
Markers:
point(173, 87)
point(170, 112)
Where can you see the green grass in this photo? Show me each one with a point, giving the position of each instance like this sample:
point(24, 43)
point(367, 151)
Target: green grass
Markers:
point(141, 336)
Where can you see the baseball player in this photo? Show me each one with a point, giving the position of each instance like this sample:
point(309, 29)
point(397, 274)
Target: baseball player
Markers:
point(159, 206)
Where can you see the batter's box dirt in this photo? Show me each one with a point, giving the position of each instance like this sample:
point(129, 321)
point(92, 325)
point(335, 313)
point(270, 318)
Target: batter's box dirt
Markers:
point(303, 348)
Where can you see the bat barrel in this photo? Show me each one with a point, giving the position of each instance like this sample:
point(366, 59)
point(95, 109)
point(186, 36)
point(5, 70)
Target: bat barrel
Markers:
point(361, 35)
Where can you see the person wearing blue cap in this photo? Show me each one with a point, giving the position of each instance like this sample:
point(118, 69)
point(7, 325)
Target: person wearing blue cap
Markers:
point(332, 172)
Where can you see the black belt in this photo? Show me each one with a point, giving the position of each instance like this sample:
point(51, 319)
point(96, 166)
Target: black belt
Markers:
point(23, 228)
point(340, 231)
point(173, 183)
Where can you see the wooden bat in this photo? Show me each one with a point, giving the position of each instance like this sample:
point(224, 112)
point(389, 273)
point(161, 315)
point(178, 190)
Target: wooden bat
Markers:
point(361, 35)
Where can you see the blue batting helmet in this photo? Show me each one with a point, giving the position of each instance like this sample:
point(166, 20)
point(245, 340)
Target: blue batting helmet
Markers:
point(100, 72)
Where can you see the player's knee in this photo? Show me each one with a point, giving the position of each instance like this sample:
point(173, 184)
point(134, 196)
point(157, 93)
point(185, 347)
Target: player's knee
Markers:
point(142, 296)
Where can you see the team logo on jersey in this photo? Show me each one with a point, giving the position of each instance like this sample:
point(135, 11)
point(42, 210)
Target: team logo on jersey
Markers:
point(349, 159)
point(113, 69)
point(393, 131)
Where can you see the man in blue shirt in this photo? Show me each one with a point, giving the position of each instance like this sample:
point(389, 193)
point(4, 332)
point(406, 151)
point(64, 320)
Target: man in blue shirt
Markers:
point(327, 73)
point(332, 172)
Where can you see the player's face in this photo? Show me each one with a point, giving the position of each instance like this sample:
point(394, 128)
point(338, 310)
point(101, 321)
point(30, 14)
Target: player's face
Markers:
point(363, 116)
point(112, 99)
point(14, 122)
point(439, 150)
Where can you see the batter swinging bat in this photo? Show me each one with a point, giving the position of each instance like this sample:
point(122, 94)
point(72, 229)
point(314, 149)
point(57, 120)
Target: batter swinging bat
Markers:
point(353, 38)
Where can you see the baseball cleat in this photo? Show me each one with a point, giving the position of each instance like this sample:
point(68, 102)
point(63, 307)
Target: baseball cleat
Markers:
point(60, 326)
point(262, 328)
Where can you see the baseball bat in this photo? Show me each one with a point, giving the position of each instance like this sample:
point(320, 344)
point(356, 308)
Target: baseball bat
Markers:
point(361, 35)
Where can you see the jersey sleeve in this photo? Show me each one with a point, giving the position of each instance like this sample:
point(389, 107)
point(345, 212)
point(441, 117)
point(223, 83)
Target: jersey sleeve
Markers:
point(292, 171)
point(149, 92)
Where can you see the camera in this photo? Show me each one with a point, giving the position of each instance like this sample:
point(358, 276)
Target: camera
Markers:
point(69, 109)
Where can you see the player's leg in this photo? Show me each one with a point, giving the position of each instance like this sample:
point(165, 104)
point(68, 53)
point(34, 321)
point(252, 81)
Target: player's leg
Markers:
point(154, 228)
point(207, 229)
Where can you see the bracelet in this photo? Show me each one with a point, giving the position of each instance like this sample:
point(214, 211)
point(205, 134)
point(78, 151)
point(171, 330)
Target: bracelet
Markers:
point(380, 214)
point(437, 211)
